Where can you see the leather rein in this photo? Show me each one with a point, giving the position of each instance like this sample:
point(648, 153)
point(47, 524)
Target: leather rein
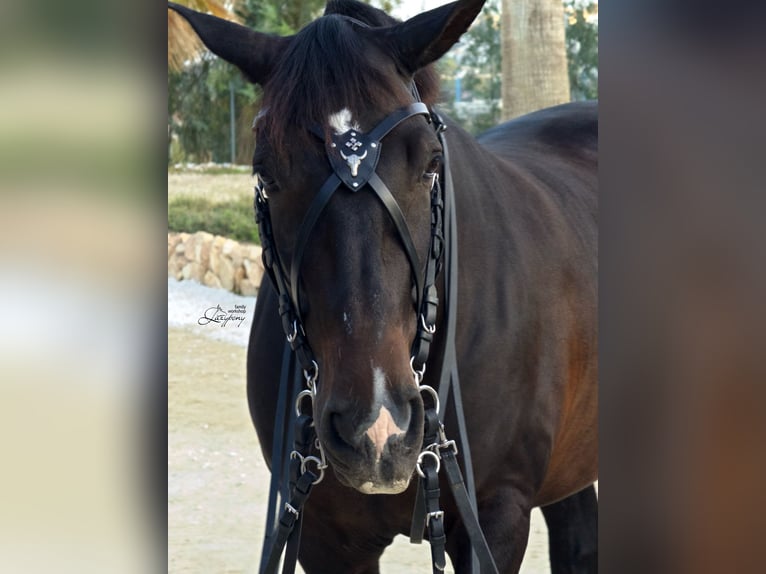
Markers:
point(354, 156)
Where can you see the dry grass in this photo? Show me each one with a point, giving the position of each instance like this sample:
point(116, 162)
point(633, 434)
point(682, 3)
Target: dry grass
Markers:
point(214, 188)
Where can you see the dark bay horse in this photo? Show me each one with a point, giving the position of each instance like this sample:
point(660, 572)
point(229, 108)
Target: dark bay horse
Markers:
point(526, 341)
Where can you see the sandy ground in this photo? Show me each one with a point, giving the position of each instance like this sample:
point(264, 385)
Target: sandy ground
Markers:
point(217, 480)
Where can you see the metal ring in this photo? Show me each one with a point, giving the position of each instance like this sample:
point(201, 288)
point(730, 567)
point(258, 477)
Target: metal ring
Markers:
point(260, 188)
point(434, 395)
point(429, 329)
point(420, 461)
point(291, 337)
point(320, 467)
point(312, 378)
point(418, 374)
point(299, 401)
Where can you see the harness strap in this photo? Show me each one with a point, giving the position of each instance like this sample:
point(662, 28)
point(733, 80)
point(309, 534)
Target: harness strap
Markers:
point(435, 518)
point(450, 379)
point(288, 520)
point(293, 545)
point(382, 191)
point(381, 130)
point(304, 434)
point(470, 521)
point(307, 226)
point(277, 449)
point(419, 511)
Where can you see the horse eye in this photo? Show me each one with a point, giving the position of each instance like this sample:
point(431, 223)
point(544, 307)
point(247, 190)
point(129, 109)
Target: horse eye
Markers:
point(433, 167)
point(267, 181)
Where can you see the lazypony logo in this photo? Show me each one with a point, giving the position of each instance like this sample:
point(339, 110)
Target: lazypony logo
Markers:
point(219, 316)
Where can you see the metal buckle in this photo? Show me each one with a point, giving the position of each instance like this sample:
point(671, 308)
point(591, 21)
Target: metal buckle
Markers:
point(435, 515)
point(291, 509)
point(448, 444)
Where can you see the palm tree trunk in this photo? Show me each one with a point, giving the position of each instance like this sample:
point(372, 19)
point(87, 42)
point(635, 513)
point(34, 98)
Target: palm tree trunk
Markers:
point(534, 56)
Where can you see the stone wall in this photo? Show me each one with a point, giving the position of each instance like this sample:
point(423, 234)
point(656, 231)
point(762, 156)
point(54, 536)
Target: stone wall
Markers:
point(215, 261)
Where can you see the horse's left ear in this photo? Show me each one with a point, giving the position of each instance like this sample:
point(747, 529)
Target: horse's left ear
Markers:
point(426, 37)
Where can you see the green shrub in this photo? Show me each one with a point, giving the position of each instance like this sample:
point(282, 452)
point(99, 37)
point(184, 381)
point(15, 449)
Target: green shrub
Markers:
point(233, 219)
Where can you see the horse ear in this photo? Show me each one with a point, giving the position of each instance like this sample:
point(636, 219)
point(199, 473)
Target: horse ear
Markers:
point(426, 37)
point(252, 52)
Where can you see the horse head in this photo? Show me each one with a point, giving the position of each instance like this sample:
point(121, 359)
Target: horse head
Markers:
point(325, 90)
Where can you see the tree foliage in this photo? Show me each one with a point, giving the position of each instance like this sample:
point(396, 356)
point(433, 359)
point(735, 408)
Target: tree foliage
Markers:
point(183, 43)
point(476, 61)
point(582, 48)
point(199, 93)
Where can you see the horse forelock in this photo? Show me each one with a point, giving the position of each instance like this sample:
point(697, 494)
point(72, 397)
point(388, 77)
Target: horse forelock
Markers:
point(331, 64)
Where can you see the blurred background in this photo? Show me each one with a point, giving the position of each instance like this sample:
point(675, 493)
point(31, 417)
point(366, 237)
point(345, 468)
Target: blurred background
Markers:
point(82, 336)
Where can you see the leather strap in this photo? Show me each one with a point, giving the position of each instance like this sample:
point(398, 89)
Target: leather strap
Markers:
point(397, 217)
point(277, 450)
point(470, 521)
point(395, 118)
point(288, 520)
point(434, 518)
point(419, 512)
point(450, 379)
point(307, 226)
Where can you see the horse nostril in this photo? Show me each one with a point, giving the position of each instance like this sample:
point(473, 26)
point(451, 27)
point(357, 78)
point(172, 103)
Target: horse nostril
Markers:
point(339, 432)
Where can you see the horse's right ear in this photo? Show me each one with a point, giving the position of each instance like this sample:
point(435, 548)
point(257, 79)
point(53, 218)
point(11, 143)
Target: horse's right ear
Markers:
point(252, 52)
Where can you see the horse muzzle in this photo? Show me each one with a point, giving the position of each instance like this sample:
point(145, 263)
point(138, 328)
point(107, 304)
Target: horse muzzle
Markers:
point(374, 453)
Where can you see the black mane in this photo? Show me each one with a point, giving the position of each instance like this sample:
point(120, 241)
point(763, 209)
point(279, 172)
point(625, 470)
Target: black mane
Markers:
point(325, 66)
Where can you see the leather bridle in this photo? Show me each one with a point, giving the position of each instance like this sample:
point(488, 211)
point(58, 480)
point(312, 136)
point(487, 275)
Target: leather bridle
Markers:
point(354, 156)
